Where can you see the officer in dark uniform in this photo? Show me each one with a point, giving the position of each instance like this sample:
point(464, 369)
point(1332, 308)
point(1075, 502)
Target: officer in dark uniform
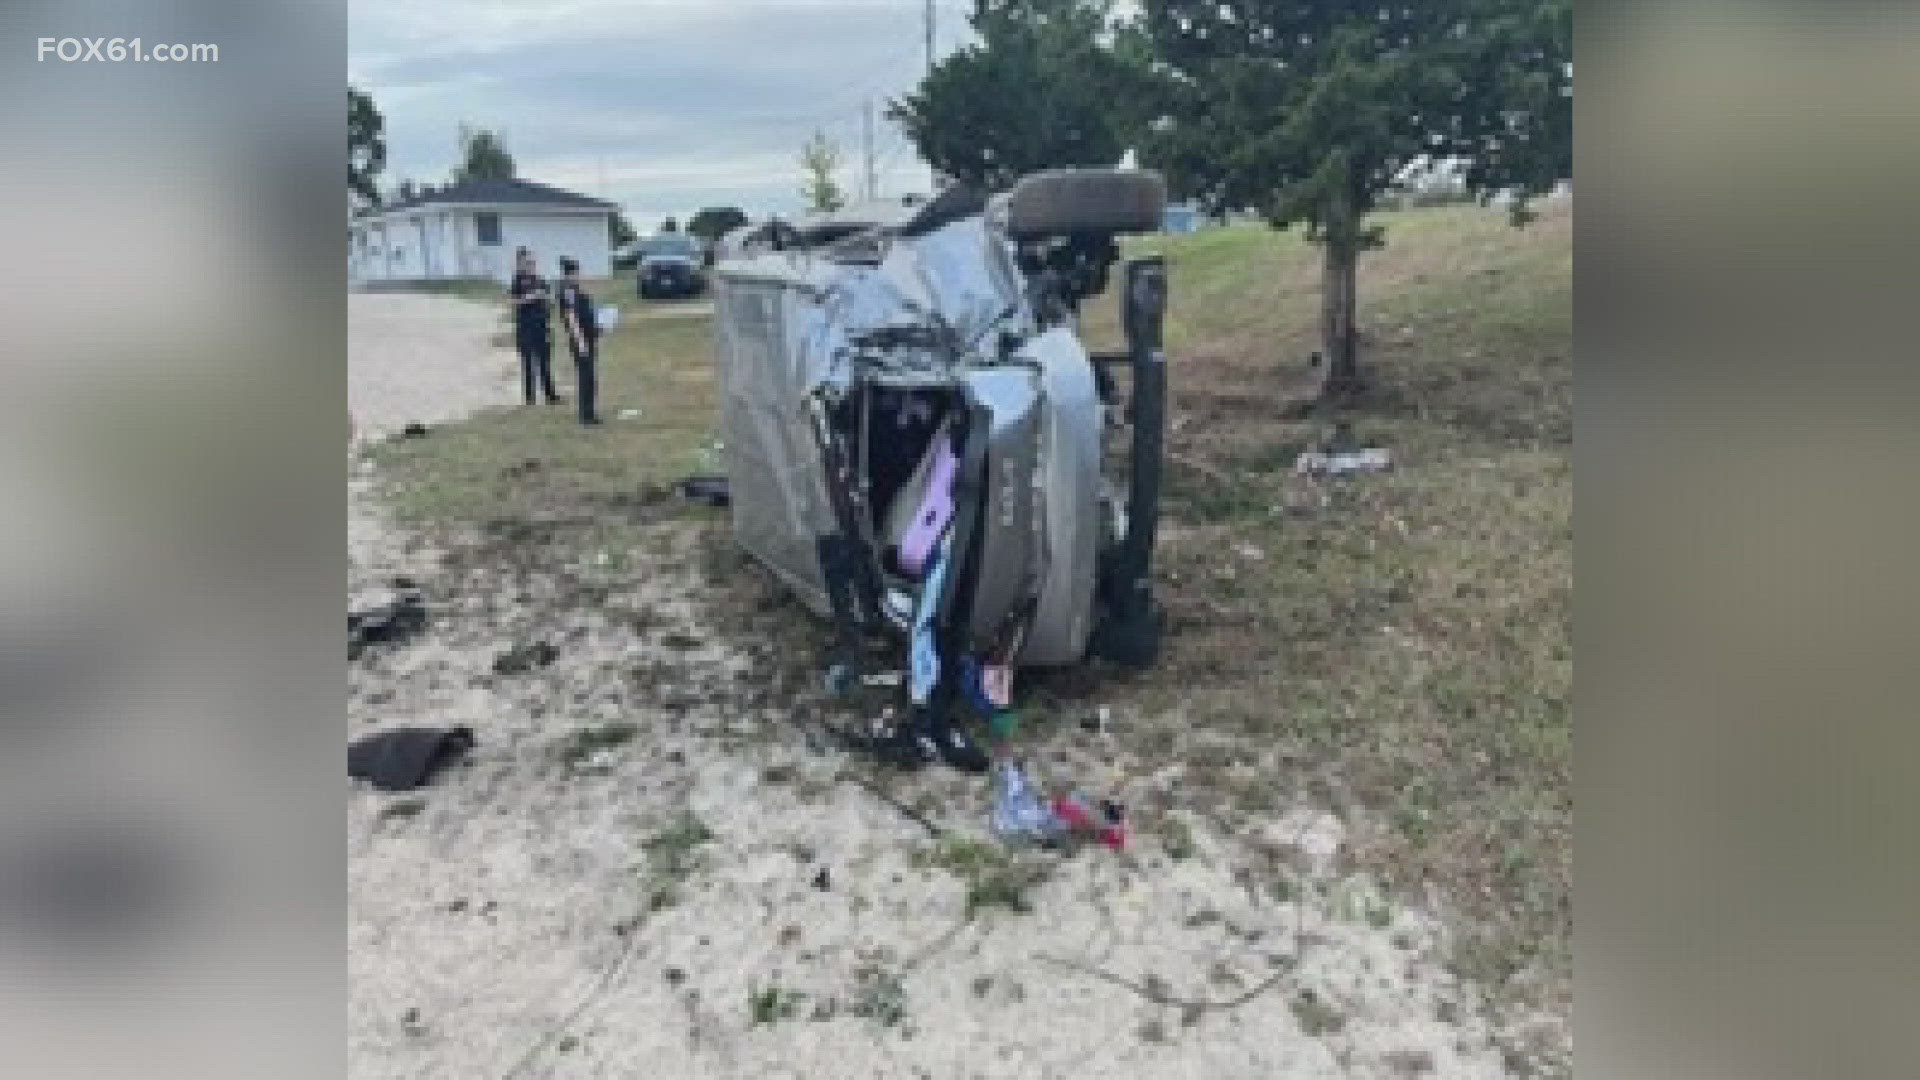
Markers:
point(583, 335)
point(531, 335)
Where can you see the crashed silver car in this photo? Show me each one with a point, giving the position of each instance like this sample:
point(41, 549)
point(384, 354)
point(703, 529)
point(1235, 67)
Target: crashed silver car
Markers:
point(918, 443)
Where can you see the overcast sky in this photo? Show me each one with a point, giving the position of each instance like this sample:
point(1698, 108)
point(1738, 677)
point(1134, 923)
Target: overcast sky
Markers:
point(663, 106)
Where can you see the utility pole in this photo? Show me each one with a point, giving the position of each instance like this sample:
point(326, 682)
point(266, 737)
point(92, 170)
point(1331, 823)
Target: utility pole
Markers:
point(939, 182)
point(873, 183)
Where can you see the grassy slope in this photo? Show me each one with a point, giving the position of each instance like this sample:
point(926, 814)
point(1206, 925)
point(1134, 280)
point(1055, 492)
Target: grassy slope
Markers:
point(1404, 639)
point(1396, 646)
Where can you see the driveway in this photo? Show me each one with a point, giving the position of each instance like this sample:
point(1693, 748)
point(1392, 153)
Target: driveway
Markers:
point(424, 359)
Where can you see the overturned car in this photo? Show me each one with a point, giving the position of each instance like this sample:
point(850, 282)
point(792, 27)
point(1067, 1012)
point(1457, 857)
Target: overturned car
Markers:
point(918, 442)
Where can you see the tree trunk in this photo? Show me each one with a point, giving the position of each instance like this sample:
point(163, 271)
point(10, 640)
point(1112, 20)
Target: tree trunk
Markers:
point(1339, 340)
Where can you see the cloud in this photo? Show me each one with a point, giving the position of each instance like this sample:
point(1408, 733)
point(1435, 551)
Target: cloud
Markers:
point(664, 106)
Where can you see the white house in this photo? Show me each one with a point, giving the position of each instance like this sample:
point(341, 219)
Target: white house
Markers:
point(470, 230)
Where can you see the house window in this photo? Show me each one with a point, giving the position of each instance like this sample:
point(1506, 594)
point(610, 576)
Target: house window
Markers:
point(488, 225)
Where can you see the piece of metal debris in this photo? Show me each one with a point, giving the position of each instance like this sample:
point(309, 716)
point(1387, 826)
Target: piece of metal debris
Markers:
point(1372, 459)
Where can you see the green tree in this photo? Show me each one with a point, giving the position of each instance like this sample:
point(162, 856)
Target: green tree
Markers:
point(366, 147)
point(1307, 112)
point(715, 222)
point(669, 225)
point(820, 159)
point(1051, 83)
point(483, 156)
point(620, 230)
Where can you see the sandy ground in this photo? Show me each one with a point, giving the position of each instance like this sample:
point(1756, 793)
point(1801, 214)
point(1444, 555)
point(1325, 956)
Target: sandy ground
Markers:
point(423, 358)
point(512, 920)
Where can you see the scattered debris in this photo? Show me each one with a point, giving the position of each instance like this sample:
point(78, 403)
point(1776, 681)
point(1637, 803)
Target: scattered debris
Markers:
point(1079, 818)
point(1019, 813)
point(822, 880)
point(629, 414)
point(402, 615)
point(402, 808)
point(838, 678)
point(413, 431)
point(1373, 459)
point(712, 490)
point(524, 658)
point(401, 759)
point(1341, 452)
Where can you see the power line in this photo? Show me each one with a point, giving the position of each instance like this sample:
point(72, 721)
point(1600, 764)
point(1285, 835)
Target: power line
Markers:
point(843, 102)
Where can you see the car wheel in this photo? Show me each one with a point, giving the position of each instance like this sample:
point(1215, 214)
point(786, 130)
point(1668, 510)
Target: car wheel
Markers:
point(1086, 200)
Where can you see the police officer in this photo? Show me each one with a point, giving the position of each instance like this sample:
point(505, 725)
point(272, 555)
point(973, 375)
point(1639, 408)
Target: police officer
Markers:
point(531, 335)
point(583, 335)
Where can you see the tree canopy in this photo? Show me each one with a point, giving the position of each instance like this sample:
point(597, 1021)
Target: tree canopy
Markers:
point(715, 222)
point(366, 147)
point(483, 156)
point(1050, 83)
point(820, 159)
point(1308, 112)
point(620, 230)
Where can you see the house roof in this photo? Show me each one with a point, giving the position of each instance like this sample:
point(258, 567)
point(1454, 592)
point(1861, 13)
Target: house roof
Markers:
point(517, 192)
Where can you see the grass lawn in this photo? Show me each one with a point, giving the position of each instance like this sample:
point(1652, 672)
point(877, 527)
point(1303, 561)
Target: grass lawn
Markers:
point(1396, 647)
point(1404, 639)
point(478, 471)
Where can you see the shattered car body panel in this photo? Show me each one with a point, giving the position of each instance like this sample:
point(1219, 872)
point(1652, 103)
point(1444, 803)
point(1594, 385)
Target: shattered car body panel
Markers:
point(914, 436)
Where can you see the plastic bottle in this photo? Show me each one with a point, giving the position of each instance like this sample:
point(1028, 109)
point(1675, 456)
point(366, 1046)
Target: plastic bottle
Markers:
point(1107, 826)
point(1019, 814)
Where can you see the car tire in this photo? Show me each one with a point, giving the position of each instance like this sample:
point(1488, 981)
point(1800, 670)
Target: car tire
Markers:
point(1061, 201)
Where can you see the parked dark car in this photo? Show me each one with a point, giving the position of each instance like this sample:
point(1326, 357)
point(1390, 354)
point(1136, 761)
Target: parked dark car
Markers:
point(670, 265)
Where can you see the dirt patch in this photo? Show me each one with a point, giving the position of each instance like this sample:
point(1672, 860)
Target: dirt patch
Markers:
point(612, 830)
